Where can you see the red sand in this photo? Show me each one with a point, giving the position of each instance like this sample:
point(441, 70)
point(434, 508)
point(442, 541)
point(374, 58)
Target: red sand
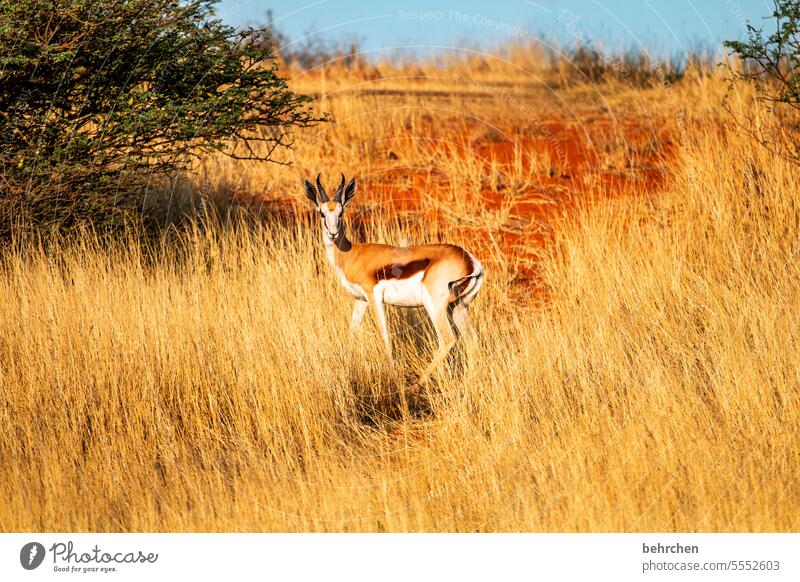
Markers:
point(581, 174)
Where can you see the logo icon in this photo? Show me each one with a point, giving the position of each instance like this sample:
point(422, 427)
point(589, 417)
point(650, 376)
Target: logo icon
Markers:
point(31, 555)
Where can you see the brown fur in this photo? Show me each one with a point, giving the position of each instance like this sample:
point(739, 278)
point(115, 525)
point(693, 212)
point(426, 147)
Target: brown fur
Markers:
point(366, 264)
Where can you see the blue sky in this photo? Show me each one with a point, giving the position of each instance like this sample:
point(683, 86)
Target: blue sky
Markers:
point(661, 26)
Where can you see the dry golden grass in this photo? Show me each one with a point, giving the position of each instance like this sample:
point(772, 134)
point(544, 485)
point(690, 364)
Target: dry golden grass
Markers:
point(209, 385)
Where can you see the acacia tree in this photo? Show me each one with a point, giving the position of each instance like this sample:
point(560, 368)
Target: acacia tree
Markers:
point(97, 97)
point(772, 64)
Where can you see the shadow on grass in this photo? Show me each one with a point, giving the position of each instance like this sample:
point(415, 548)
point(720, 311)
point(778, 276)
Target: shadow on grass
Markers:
point(384, 397)
point(388, 399)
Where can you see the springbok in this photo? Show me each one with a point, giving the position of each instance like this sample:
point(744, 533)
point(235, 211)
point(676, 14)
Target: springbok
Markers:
point(442, 278)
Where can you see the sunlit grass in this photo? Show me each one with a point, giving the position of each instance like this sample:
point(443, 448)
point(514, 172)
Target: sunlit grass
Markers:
point(209, 384)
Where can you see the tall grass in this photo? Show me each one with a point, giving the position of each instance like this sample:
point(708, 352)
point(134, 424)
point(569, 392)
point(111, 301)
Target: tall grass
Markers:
point(208, 384)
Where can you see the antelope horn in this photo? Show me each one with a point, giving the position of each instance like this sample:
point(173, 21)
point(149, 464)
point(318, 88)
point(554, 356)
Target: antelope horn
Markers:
point(322, 194)
point(339, 191)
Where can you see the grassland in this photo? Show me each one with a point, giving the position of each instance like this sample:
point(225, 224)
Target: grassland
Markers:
point(635, 365)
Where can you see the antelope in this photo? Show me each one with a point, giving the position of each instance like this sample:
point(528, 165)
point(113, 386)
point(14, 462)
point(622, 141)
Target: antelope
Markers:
point(442, 278)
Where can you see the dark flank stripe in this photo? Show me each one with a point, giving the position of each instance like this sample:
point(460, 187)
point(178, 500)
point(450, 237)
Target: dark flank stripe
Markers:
point(401, 271)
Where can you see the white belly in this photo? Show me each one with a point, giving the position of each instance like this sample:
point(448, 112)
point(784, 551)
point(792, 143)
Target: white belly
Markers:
point(402, 292)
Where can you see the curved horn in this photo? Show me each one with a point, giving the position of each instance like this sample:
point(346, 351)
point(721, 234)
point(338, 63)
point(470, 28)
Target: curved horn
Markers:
point(322, 194)
point(339, 191)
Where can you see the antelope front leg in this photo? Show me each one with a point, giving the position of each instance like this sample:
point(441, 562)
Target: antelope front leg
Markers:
point(359, 309)
point(380, 315)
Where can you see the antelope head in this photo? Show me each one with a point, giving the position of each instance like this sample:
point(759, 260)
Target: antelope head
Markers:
point(331, 211)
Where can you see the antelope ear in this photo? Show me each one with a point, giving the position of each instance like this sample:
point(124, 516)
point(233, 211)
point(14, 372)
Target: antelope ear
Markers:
point(349, 192)
point(311, 193)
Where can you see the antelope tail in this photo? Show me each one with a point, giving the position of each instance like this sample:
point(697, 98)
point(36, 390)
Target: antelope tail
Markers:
point(466, 288)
